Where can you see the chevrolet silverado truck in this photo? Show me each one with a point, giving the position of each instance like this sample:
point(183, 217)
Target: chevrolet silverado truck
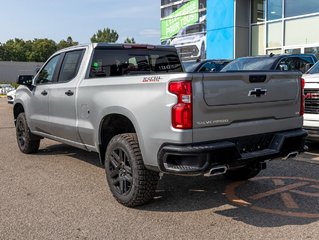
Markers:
point(136, 107)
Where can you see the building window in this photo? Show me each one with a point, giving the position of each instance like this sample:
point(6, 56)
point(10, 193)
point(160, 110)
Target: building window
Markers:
point(273, 51)
point(293, 51)
point(274, 9)
point(258, 40)
point(298, 7)
point(274, 34)
point(313, 50)
point(258, 11)
point(289, 26)
point(301, 31)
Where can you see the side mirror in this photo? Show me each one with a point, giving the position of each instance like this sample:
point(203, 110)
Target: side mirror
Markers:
point(25, 80)
point(213, 70)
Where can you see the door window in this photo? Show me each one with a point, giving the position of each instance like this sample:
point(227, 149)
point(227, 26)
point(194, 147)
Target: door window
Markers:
point(70, 65)
point(46, 75)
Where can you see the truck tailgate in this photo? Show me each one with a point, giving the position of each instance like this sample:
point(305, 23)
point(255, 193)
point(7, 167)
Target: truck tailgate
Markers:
point(222, 99)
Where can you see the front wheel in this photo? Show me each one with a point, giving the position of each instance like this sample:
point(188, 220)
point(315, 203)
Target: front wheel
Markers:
point(130, 182)
point(27, 142)
point(243, 173)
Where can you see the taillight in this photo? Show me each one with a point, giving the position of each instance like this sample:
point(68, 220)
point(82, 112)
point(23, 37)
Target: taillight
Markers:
point(302, 96)
point(182, 112)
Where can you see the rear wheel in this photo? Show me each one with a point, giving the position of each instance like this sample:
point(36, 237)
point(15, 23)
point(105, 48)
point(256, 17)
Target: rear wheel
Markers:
point(243, 173)
point(130, 182)
point(27, 142)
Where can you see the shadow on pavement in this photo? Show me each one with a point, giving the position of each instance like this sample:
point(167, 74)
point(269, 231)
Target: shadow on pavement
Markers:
point(286, 193)
point(78, 154)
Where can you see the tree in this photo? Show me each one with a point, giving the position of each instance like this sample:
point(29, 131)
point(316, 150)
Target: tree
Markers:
point(68, 43)
point(37, 50)
point(42, 49)
point(15, 50)
point(129, 40)
point(105, 35)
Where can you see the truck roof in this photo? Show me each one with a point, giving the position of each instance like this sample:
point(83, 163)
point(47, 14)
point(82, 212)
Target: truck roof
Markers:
point(118, 45)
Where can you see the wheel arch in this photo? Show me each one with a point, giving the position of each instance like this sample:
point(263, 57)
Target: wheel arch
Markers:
point(17, 109)
point(111, 125)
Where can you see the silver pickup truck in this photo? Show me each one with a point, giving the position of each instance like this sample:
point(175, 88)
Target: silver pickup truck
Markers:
point(134, 105)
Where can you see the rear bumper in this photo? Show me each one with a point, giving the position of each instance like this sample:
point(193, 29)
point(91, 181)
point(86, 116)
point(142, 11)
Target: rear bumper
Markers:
point(198, 159)
point(313, 133)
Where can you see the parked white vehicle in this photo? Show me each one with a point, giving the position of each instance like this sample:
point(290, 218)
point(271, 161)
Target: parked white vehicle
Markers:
point(5, 88)
point(190, 42)
point(11, 96)
point(311, 117)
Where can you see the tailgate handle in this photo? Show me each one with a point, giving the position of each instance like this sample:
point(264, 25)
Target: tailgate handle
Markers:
point(257, 78)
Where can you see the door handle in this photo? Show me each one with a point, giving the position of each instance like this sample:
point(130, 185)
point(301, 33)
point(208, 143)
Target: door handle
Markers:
point(69, 93)
point(44, 93)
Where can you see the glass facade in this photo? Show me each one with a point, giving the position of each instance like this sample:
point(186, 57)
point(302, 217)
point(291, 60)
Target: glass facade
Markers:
point(258, 43)
point(235, 28)
point(300, 7)
point(258, 11)
point(274, 31)
point(284, 26)
point(274, 9)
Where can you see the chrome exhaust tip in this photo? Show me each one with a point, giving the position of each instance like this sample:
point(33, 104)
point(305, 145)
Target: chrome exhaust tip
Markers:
point(218, 170)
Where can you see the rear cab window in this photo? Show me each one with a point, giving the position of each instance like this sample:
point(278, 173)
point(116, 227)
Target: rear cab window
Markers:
point(110, 62)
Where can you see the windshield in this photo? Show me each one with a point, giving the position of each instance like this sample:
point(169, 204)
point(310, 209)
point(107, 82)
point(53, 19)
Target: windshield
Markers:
point(314, 69)
point(254, 63)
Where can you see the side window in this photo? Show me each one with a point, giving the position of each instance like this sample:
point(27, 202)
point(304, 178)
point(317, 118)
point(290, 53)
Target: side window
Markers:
point(70, 65)
point(47, 73)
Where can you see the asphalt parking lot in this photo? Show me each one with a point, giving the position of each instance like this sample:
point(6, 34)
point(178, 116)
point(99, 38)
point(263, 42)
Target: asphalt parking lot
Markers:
point(61, 193)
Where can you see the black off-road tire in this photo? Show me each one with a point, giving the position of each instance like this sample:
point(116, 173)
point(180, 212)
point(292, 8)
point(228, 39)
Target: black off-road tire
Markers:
point(243, 173)
point(27, 142)
point(129, 181)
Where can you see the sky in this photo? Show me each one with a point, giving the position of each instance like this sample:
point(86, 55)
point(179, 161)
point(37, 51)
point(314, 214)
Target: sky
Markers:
point(80, 19)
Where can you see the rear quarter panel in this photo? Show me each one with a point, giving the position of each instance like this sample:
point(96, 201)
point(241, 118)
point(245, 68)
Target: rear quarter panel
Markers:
point(146, 104)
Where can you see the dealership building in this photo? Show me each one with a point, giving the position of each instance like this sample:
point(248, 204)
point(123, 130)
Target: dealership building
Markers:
point(235, 28)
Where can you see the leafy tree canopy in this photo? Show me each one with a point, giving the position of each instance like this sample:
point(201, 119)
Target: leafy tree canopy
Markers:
point(66, 43)
point(129, 40)
point(105, 35)
point(39, 50)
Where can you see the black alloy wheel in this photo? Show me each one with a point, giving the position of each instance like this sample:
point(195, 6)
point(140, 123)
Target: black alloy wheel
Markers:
point(121, 171)
point(27, 142)
point(130, 182)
